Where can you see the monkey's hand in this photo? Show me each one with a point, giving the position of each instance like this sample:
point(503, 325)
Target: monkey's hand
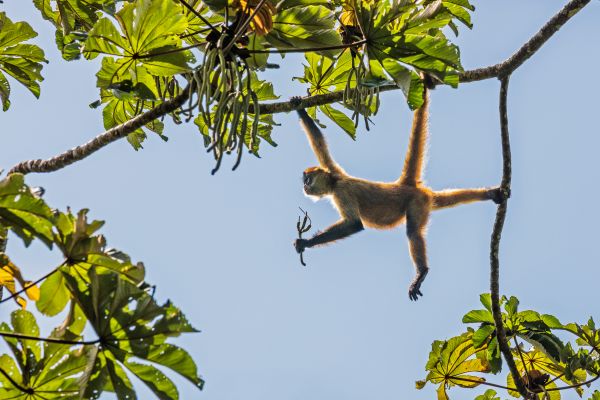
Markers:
point(414, 290)
point(500, 195)
point(300, 245)
point(295, 101)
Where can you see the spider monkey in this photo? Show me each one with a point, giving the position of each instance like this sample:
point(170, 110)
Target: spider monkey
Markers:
point(383, 205)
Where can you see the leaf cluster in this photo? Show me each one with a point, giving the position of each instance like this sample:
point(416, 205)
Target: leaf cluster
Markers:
point(154, 50)
point(113, 328)
point(542, 356)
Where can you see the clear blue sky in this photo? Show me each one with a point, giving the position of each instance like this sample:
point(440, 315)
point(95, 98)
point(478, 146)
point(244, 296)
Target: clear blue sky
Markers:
point(342, 328)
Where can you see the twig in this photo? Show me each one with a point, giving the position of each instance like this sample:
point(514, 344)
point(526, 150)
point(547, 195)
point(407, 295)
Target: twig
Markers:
point(49, 340)
point(303, 228)
point(307, 49)
point(242, 28)
point(30, 285)
point(495, 244)
point(121, 131)
point(197, 14)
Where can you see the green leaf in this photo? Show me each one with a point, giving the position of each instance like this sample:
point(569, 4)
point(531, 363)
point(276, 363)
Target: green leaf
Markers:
point(24, 213)
point(478, 316)
point(305, 27)
point(158, 382)
point(341, 119)
point(148, 38)
point(21, 61)
point(489, 394)
point(452, 363)
point(54, 296)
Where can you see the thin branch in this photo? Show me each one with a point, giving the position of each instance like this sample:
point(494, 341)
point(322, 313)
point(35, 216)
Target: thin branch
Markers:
point(503, 68)
point(49, 340)
point(495, 244)
point(307, 49)
point(118, 132)
point(242, 28)
point(575, 385)
point(528, 49)
point(197, 14)
point(30, 285)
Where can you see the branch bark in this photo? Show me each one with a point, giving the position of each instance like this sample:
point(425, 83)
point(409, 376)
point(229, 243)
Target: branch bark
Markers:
point(495, 243)
point(118, 132)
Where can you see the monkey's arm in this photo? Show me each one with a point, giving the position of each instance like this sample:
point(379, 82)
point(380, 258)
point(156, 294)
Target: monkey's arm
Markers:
point(339, 230)
point(413, 163)
point(317, 142)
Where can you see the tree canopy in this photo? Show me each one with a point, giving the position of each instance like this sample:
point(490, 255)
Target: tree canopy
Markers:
point(203, 63)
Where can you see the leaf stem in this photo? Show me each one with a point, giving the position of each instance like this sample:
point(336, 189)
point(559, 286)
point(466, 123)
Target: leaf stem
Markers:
point(48, 340)
point(242, 28)
point(13, 382)
point(197, 14)
point(31, 284)
point(460, 378)
point(308, 49)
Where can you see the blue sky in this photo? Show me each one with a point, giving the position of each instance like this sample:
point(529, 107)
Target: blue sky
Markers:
point(341, 328)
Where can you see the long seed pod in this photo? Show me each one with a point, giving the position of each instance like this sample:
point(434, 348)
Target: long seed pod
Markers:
point(245, 109)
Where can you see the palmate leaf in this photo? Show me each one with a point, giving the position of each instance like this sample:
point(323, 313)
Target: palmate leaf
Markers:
point(131, 325)
point(19, 60)
point(72, 19)
point(24, 213)
point(537, 360)
point(45, 371)
point(304, 26)
point(452, 362)
point(83, 249)
point(147, 37)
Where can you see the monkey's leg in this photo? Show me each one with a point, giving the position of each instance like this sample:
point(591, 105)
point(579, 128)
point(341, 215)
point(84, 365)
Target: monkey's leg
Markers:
point(417, 216)
point(454, 197)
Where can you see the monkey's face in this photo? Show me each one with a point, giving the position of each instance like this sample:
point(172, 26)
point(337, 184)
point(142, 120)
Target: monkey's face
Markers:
point(317, 182)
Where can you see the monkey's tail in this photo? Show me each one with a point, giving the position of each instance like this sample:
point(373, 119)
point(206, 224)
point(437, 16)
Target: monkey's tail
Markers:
point(415, 155)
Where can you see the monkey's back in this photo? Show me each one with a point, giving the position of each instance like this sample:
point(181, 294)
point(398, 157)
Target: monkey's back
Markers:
point(382, 205)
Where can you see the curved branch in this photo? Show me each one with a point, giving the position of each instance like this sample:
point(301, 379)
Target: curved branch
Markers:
point(118, 132)
point(495, 244)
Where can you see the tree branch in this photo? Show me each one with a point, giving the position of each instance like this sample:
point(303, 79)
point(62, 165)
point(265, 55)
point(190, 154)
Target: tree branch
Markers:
point(495, 244)
point(118, 132)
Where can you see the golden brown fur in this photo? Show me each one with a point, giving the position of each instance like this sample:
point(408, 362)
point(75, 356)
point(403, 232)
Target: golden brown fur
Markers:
point(380, 205)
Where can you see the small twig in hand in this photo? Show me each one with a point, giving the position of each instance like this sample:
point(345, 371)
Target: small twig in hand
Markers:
point(303, 225)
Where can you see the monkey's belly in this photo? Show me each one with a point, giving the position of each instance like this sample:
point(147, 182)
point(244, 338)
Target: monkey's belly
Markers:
point(382, 217)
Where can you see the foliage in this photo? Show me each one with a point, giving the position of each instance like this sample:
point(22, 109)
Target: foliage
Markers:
point(101, 289)
point(542, 358)
point(154, 50)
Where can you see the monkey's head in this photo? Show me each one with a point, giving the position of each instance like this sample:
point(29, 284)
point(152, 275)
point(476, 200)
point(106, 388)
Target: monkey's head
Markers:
point(317, 181)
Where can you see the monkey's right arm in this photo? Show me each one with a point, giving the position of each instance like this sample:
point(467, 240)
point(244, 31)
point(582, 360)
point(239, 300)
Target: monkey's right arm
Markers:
point(339, 230)
point(317, 141)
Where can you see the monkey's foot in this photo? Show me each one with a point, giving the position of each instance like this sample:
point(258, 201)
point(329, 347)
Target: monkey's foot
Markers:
point(414, 290)
point(500, 195)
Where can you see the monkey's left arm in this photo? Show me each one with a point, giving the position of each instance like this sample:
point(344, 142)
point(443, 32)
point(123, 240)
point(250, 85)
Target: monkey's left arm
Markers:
point(339, 230)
